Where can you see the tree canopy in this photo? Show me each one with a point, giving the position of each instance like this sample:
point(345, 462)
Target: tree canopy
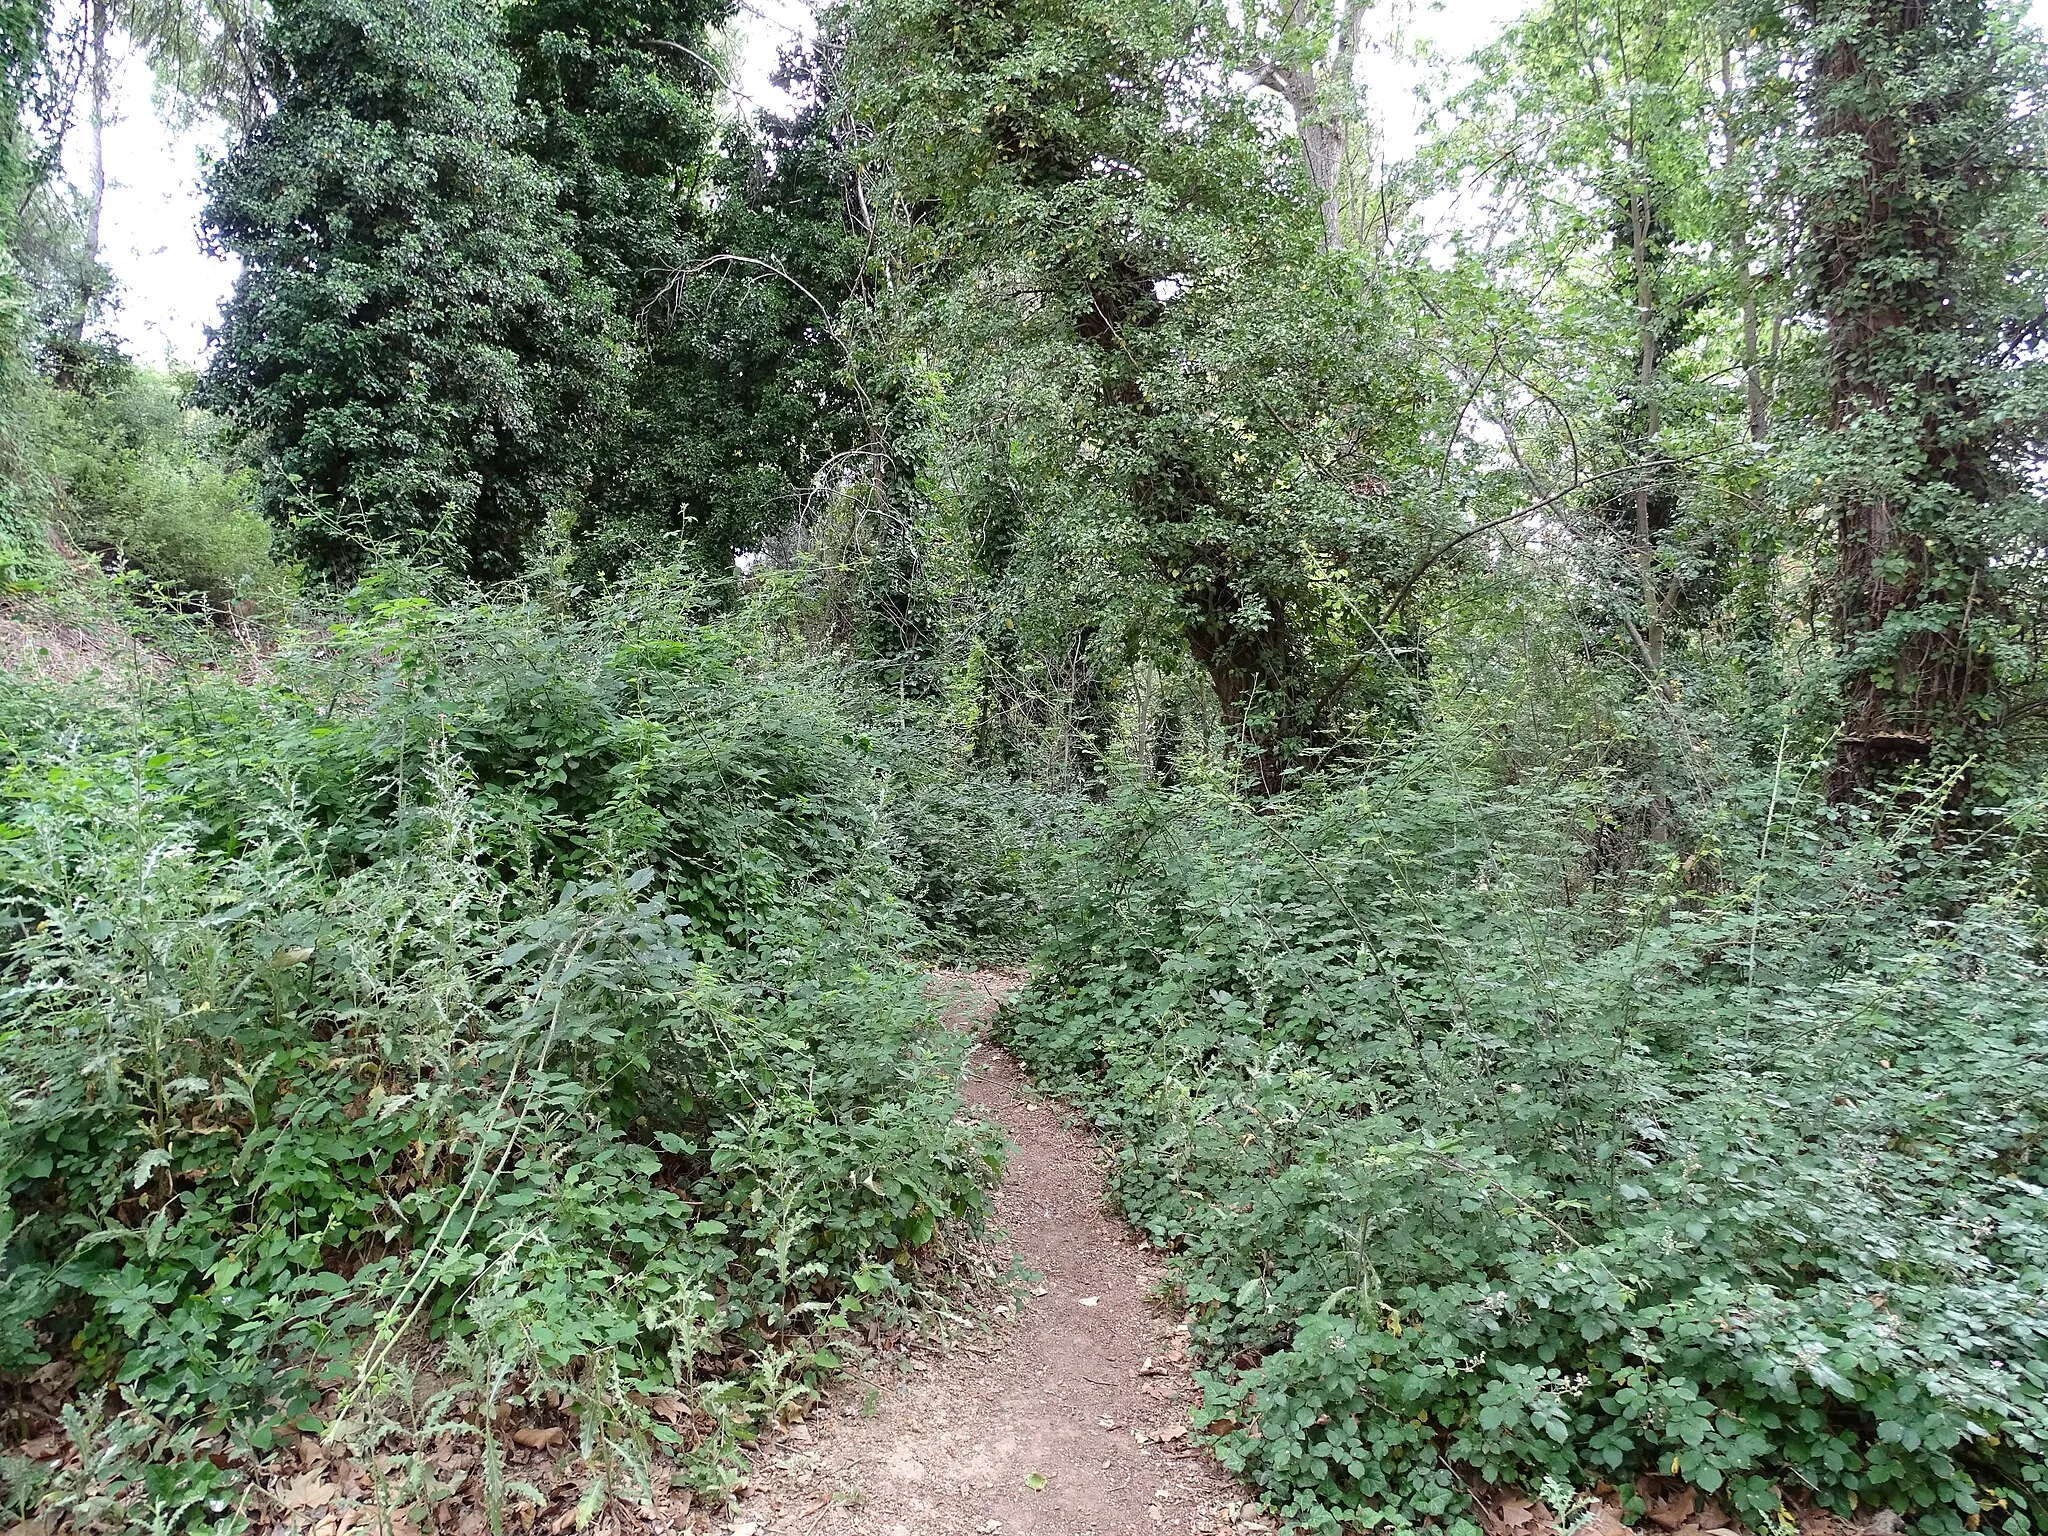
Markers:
point(412, 320)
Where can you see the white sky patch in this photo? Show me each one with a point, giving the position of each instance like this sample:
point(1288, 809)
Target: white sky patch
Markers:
point(170, 289)
point(760, 33)
point(1405, 45)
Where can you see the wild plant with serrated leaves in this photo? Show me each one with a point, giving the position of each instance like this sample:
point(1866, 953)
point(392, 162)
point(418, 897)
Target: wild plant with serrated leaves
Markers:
point(472, 987)
point(1482, 1166)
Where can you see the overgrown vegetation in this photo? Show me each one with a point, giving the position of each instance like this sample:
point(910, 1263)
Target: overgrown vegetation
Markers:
point(140, 480)
point(1504, 684)
point(1488, 1159)
point(524, 983)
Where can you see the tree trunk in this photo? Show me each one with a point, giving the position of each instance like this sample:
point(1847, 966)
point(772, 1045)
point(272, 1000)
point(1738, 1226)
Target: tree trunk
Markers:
point(1315, 89)
point(98, 86)
point(1876, 737)
point(1752, 361)
point(1252, 671)
point(1889, 259)
point(1647, 360)
point(1758, 626)
point(1252, 679)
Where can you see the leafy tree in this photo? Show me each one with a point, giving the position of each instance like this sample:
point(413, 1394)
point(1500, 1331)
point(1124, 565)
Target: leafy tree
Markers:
point(1925, 263)
point(1120, 320)
point(22, 37)
point(412, 327)
point(23, 34)
point(618, 96)
point(601, 193)
point(62, 58)
point(742, 398)
point(1306, 52)
point(207, 54)
point(1607, 322)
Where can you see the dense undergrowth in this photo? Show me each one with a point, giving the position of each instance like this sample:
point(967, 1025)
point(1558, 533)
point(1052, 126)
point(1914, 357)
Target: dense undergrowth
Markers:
point(529, 993)
point(1491, 1157)
point(1555, 617)
point(128, 473)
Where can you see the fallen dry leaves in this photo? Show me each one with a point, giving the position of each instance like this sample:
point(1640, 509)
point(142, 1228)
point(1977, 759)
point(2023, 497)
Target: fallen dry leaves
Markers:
point(309, 1490)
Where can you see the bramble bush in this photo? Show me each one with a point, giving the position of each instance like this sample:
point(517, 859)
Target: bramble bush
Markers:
point(1483, 1160)
point(972, 847)
point(486, 975)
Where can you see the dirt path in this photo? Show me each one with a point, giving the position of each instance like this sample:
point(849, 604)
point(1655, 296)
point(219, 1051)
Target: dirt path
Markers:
point(1069, 1421)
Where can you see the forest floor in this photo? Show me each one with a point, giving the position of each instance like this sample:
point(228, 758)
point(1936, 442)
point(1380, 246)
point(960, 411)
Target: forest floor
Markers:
point(1068, 1418)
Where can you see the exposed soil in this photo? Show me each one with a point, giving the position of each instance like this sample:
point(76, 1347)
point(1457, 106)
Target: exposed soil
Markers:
point(66, 653)
point(1068, 1418)
point(1059, 1409)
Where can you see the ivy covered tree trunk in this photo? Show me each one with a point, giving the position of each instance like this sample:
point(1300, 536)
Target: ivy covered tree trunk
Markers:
point(412, 327)
point(1918, 156)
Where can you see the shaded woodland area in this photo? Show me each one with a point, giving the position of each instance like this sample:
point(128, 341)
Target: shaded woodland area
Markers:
point(1497, 691)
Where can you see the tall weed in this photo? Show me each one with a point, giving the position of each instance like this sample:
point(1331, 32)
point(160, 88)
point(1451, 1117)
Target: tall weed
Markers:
point(520, 986)
point(1483, 1160)
point(128, 470)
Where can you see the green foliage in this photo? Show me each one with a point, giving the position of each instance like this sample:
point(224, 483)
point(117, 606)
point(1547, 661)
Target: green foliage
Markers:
point(1923, 198)
point(1538, 1088)
point(618, 91)
point(1623, 315)
point(22, 27)
point(696, 441)
point(527, 979)
point(23, 35)
point(1142, 394)
point(460, 228)
point(412, 323)
point(742, 397)
point(135, 475)
point(1484, 1156)
point(971, 848)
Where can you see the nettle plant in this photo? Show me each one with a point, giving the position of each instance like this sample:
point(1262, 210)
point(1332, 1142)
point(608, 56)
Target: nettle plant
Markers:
point(523, 985)
point(1480, 1165)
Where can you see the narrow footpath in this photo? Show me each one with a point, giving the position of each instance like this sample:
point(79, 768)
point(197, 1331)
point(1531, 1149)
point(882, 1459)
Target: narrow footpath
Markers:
point(1070, 1420)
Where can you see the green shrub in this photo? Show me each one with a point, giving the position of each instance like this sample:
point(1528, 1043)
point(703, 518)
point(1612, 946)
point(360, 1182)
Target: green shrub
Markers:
point(133, 473)
point(972, 847)
point(527, 979)
point(1481, 1162)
